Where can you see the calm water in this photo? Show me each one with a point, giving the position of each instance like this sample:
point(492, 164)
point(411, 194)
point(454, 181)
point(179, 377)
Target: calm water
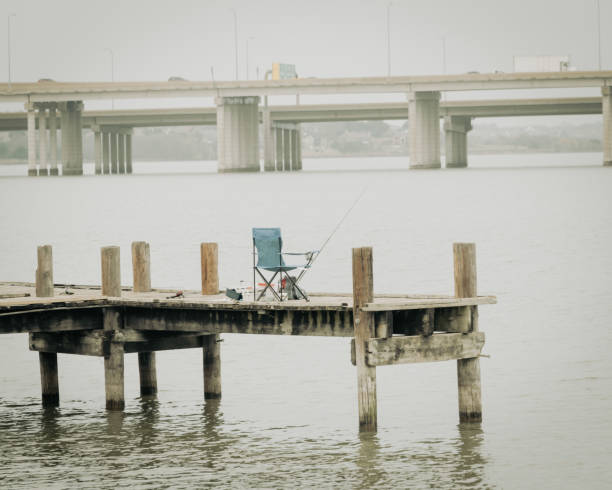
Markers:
point(288, 414)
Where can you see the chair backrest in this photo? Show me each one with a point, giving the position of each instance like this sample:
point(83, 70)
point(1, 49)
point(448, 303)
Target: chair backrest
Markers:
point(269, 245)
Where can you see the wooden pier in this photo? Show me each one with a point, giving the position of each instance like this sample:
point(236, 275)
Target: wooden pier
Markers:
point(111, 321)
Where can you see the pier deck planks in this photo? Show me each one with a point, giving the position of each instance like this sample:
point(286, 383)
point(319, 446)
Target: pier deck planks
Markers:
point(325, 315)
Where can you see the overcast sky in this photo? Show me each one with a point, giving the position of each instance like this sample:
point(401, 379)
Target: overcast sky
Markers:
point(156, 39)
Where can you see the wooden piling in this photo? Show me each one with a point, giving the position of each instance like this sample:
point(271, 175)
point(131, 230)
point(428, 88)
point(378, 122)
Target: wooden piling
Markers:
point(113, 356)
point(209, 254)
point(113, 361)
point(49, 379)
point(468, 370)
point(148, 373)
point(48, 360)
point(111, 271)
point(363, 292)
point(44, 272)
point(141, 268)
point(212, 366)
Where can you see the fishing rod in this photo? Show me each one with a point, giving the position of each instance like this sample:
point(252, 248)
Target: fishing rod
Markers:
point(318, 252)
point(342, 220)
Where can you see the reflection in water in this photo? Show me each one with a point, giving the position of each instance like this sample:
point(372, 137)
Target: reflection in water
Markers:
point(470, 461)
point(436, 462)
point(368, 461)
point(214, 445)
point(51, 431)
point(148, 418)
point(114, 419)
point(212, 418)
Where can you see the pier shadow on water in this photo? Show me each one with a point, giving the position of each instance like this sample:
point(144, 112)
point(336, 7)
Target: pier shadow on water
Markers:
point(436, 463)
point(197, 445)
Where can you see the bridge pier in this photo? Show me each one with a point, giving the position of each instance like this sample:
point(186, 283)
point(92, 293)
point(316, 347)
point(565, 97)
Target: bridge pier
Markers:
point(455, 140)
point(288, 150)
point(72, 138)
point(97, 149)
point(606, 102)
point(31, 140)
point(42, 151)
point(278, 153)
point(128, 151)
point(53, 140)
point(42, 141)
point(299, 147)
point(296, 150)
point(424, 129)
point(121, 152)
point(268, 142)
point(113, 155)
point(238, 134)
point(105, 151)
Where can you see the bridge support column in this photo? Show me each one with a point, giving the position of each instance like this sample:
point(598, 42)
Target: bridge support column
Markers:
point(31, 140)
point(424, 129)
point(42, 141)
point(606, 100)
point(455, 140)
point(98, 149)
point(53, 140)
point(113, 155)
point(268, 141)
point(64, 126)
point(278, 154)
point(294, 149)
point(298, 142)
point(121, 152)
point(286, 150)
point(105, 152)
point(238, 134)
point(72, 138)
point(128, 151)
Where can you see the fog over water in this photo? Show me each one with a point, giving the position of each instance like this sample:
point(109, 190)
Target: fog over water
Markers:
point(288, 413)
point(288, 416)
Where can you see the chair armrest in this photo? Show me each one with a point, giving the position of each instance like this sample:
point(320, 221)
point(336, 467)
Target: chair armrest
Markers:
point(300, 253)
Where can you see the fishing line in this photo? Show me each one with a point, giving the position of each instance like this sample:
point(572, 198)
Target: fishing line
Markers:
point(340, 222)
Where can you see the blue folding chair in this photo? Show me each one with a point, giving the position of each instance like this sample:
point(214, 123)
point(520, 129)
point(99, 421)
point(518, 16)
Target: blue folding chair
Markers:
point(268, 247)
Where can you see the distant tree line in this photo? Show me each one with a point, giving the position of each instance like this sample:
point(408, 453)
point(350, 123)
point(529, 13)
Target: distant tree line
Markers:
point(336, 139)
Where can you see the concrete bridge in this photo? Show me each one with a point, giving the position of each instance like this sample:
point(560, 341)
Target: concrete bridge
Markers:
point(237, 114)
point(285, 120)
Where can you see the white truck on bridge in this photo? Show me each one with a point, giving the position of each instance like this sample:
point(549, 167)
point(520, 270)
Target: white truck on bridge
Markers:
point(541, 63)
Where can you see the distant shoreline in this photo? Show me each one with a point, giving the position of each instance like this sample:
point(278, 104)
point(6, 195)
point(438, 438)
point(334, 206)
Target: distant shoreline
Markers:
point(352, 155)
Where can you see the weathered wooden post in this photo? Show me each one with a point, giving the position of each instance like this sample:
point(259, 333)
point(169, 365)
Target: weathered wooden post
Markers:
point(209, 253)
point(113, 357)
point(111, 272)
point(363, 292)
point(44, 272)
point(48, 360)
point(141, 267)
point(468, 370)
